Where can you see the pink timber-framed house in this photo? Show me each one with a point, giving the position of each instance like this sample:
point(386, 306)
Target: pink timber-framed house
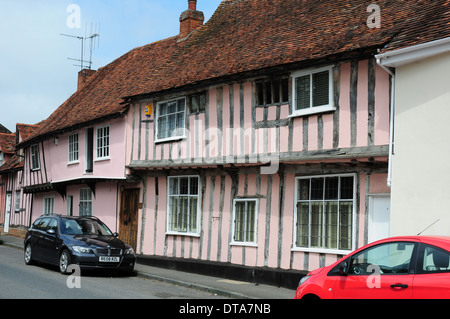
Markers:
point(255, 144)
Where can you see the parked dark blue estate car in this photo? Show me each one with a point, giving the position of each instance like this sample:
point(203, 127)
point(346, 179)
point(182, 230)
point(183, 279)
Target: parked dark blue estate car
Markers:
point(83, 241)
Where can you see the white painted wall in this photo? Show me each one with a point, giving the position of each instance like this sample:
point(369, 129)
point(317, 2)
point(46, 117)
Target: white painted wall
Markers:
point(421, 163)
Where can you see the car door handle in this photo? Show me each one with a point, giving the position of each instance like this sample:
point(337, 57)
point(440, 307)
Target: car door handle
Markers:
point(399, 286)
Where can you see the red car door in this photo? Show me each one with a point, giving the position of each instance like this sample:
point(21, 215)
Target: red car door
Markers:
point(378, 272)
point(433, 274)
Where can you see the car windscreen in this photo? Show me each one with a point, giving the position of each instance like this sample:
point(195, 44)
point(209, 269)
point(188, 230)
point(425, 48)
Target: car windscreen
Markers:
point(84, 227)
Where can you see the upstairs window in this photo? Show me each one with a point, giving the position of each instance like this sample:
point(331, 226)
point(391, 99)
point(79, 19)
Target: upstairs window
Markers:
point(312, 91)
point(35, 159)
point(272, 92)
point(171, 119)
point(197, 102)
point(73, 148)
point(103, 142)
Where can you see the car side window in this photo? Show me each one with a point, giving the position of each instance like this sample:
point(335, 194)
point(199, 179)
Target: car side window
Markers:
point(43, 223)
point(53, 224)
point(434, 260)
point(384, 259)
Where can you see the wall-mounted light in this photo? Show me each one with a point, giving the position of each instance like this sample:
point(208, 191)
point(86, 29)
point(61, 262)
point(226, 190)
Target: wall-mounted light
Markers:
point(56, 140)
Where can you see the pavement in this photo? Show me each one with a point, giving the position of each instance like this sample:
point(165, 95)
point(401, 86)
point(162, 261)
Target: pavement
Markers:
point(214, 285)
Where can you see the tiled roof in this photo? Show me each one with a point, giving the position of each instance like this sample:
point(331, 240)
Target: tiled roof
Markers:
point(7, 142)
point(242, 36)
point(430, 23)
point(12, 164)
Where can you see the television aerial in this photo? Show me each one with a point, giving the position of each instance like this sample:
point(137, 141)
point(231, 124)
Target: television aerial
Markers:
point(94, 40)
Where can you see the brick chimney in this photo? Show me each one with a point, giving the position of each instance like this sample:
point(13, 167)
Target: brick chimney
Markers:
point(83, 77)
point(190, 19)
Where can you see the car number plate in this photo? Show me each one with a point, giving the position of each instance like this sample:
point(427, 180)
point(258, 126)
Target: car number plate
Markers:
point(107, 259)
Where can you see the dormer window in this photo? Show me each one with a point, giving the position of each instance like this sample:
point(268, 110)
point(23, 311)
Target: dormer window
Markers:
point(312, 91)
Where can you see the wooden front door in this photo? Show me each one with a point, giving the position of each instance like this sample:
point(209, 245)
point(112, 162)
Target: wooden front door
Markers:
point(129, 217)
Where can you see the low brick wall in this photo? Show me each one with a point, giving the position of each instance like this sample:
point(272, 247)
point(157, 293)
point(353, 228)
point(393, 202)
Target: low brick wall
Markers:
point(14, 231)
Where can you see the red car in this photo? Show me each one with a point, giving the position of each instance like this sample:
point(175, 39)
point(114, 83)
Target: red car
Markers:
point(410, 267)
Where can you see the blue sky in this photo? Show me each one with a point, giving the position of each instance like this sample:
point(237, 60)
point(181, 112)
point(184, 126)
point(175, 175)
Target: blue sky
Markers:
point(36, 75)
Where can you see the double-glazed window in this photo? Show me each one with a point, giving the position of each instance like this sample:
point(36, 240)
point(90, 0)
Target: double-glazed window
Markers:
point(183, 205)
point(324, 212)
point(171, 119)
point(245, 221)
point(312, 91)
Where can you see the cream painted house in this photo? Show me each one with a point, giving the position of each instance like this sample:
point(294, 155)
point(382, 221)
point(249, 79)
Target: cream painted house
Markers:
point(420, 166)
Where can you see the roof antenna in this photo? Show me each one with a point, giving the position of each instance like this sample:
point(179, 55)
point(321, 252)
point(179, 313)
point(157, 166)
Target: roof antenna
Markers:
point(92, 42)
point(427, 227)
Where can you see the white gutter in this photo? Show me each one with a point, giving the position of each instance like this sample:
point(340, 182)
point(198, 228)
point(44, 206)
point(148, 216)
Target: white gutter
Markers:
point(391, 120)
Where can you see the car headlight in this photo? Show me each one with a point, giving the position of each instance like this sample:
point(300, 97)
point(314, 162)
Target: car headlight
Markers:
point(129, 251)
point(82, 250)
point(302, 281)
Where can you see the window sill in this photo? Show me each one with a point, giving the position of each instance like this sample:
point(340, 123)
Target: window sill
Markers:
point(170, 139)
point(246, 244)
point(321, 250)
point(102, 159)
point(173, 233)
point(73, 163)
point(313, 110)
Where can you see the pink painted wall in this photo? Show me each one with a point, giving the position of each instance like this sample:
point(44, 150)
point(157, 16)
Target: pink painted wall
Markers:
point(274, 246)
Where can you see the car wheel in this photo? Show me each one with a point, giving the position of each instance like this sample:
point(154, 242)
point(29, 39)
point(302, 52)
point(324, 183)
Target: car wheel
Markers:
point(27, 255)
point(64, 261)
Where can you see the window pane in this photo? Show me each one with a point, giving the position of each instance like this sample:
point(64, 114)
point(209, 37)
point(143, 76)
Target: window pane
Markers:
point(316, 224)
point(193, 215)
point(331, 227)
point(239, 221)
point(302, 224)
point(345, 225)
point(331, 187)
point(303, 193)
point(347, 187)
point(184, 185)
point(321, 88)
point(317, 188)
point(285, 90)
point(259, 93)
point(194, 186)
point(302, 88)
point(250, 227)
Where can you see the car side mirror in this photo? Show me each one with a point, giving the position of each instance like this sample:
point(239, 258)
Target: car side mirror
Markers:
point(343, 269)
point(116, 234)
point(51, 231)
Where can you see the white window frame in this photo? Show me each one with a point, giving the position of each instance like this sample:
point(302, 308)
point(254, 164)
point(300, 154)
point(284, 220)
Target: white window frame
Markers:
point(73, 148)
point(170, 231)
point(48, 205)
point(102, 143)
point(254, 242)
point(354, 212)
point(157, 119)
point(312, 109)
point(85, 201)
point(35, 157)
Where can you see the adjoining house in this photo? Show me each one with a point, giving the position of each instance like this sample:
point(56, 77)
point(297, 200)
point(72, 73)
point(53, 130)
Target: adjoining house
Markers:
point(419, 59)
point(257, 143)
point(15, 207)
